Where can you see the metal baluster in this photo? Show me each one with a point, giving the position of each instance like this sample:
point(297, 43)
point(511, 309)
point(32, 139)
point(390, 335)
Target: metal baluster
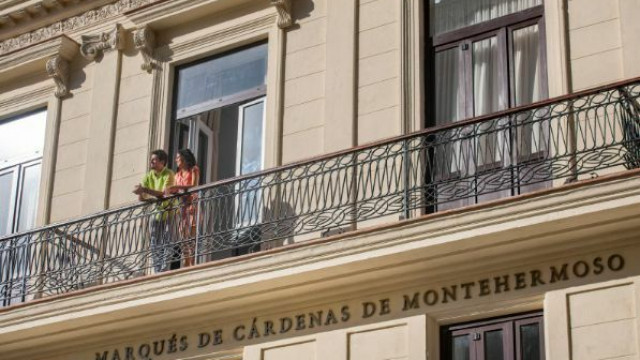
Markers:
point(405, 179)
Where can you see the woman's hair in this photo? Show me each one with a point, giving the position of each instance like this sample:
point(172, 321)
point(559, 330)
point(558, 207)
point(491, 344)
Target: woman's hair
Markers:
point(188, 158)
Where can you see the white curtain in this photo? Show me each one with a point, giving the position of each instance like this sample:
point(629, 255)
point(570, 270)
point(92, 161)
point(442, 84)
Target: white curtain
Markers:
point(531, 138)
point(488, 91)
point(488, 97)
point(448, 15)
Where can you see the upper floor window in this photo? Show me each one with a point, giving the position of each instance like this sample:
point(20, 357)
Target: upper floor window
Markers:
point(489, 55)
point(486, 56)
point(219, 112)
point(21, 145)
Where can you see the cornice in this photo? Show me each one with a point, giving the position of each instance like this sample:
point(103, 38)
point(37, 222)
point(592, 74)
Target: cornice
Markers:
point(25, 11)
point(73, 23)
point(119, 7)
point(51, 56)
point(59, 45)
point(22, 16)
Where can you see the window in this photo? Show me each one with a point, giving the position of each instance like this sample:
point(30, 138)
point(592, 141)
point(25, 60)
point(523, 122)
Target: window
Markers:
point(514, 338)
point(487, 56)
point(21, 145)
point(220, 110)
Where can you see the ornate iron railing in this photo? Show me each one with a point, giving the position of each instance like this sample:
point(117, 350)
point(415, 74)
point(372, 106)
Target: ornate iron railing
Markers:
point(491, 157)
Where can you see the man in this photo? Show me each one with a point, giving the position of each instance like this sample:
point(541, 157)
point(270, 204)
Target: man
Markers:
point(152, 188)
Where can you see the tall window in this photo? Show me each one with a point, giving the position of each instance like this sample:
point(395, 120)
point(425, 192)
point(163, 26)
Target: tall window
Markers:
point(487, 56)
point(220, 115)
point(220, 110)
point(21, 144)
point(513, 338)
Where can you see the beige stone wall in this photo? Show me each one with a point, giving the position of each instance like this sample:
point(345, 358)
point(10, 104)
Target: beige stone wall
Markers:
point(379, 70)
point(403, 339)
point(132, 129)
point(601, 41)
point(593, 322)
point(304, 85)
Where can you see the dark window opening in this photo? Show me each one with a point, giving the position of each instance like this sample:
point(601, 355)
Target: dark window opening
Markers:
point(518, 337)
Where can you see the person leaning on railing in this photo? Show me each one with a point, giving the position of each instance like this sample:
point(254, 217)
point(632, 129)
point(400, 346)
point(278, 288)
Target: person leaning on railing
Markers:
point(187, 176)
point(152, 188)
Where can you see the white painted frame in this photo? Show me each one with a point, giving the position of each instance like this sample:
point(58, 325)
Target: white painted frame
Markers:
point(14, 191)
point(200, 126)
point(240, 141)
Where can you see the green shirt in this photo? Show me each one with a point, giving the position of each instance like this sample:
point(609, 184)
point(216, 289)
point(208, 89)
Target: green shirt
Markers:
point(159, 182)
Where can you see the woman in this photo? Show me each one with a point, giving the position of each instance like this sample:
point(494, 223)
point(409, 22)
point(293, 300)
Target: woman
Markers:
point(187, 176)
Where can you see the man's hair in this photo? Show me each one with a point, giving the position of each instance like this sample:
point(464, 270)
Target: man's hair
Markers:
point(161, 155)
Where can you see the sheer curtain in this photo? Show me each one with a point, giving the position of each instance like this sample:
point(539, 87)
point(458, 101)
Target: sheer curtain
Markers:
point(489, 77)
point(527, 89)
point(448, 15)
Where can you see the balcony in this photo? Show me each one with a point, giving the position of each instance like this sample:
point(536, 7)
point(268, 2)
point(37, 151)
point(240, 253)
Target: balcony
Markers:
point(485, 159)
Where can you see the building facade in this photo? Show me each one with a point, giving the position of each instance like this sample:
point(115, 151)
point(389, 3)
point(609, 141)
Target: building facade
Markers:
point(380, 179)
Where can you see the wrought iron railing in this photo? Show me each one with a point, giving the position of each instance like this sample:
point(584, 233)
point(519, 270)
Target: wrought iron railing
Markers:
point(491, 157)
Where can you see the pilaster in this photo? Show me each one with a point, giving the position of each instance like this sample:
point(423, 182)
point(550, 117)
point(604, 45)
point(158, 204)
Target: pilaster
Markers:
point(105, 49)
point(340, 83)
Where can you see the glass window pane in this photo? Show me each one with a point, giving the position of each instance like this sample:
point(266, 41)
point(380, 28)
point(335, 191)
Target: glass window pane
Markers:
point(29, 197)
point(448, 15)
point(251, 155)
point(6, 194)
point(526, 58)
point(203, 156)
point(449, 94)
point(530, 341)
point(460, 348)
point(493, 345)
point(22, 138)
point(221, 76)
point(251, 161)
point(486, 77)
point(487, 93)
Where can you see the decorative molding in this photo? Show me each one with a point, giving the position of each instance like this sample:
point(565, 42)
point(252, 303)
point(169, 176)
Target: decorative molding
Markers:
point(144, 40)
point(73, 23)
point(23, 12)
point(17, 101)
point(94, 46)
point(58, 69)
point(167, 52)
point(34, 58)
point(283, 7)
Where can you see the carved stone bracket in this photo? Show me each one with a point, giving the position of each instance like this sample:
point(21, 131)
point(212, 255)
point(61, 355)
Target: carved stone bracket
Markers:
point(284, 13)
point(58, 69)
point(144, 40)
point(94, 46)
